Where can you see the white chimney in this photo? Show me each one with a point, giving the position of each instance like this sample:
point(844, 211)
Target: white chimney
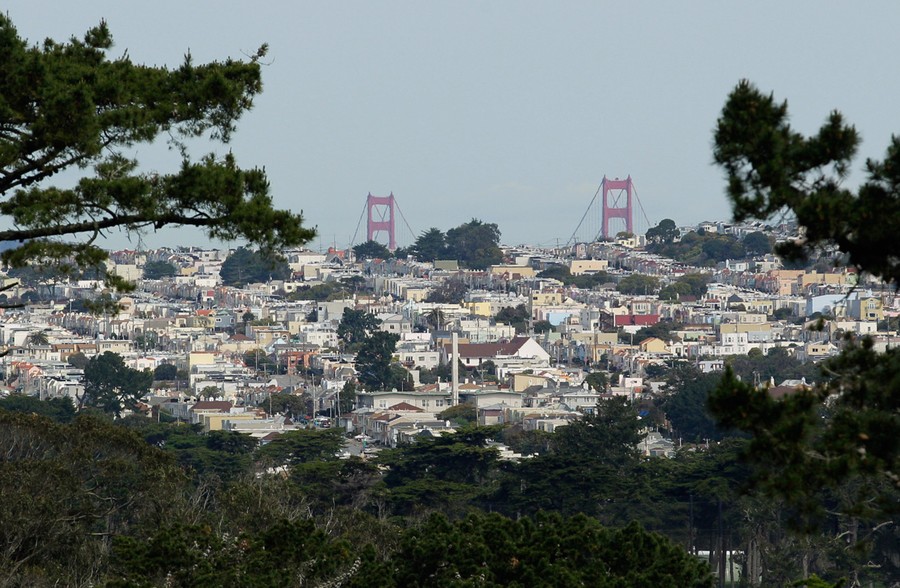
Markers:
point(455, 371)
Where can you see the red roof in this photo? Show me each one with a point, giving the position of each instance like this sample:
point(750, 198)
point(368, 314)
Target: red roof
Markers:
point(511, 347)
point(636, 319)
point(405, 406)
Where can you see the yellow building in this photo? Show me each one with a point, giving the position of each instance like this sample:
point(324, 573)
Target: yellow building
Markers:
point(482, 308)
point(653, 345)
point(512, 272)
point(582, 266)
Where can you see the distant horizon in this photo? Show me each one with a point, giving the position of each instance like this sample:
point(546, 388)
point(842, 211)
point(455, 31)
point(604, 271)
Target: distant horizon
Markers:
point(507, 112)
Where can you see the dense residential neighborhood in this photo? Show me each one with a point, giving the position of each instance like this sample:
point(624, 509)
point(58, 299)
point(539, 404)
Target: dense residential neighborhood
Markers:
point(231, 347)
point(386, 363)
point(676, 405)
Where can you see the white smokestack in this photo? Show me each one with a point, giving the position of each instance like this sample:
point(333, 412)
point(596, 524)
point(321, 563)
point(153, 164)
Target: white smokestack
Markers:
point(454, 386)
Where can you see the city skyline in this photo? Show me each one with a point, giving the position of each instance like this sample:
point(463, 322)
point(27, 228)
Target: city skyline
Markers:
point(511, 113)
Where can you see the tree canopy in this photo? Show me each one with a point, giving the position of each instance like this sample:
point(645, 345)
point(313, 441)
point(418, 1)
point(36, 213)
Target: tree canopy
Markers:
point(665, 232)
point(245, 266)
point(843, 432)
point(112, 386)
point(374, 363)
point(371, 250)
point(430, 245)
point(355, 327)
point(475, 244)
point(638, 284)
point(154, 270)
point(69, 106)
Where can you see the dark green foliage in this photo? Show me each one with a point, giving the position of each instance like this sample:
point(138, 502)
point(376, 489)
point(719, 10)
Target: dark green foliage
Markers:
point(526, 442)
point(701, 249)
point(112, 386)
point(696, 283)
point(638, 284)
point(831, 448)
point(244, 266)
point(154, 270)
point(66, 106)
point(475, 244)
point(674, 291)
point(165, 372)
point(448, 292)
point(355, 327)
point(722, 247)
point(181, 555)
point(302, 446)
point(295, 406)
point(371, 250)
point(442, 472)
point(784, 313)
point(540, 327)
point(374, 363)
point(688, 284)
point(598, 381)
point(320, 292)
point(777, 365)
point(665, 232)
point(577, 470)
point(223, 455)
point(757, 243)
point(548, 550)
point(430, 245)
point(515, 317)
point(685, 404)
point(661, 330)
point(77, 360)
point(259, 360)
point(66, 489)
point(60, 410)
point(813, 444)
point(460, 415)
point(556, 272)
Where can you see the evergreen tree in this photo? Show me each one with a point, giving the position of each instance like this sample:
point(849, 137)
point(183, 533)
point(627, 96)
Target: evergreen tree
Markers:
point(371, 250)
point(475, 244)
point(430, 245)
point(112, 386)
point(844, 432)
point(67, 106)
point(374, 363)
point(245, 266)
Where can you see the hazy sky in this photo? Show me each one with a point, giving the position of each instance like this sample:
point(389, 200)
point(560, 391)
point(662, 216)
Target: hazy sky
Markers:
point(510, 111)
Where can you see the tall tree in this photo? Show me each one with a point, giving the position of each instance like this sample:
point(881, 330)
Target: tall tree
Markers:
point(771, 168)
point(548, 550)
point(374, 363)
point(430, 245)
point(665, 232)
point(112, 386)
point(475, 244)
point(757, 243)
point(638, 284)
point(371, 250)
point(67, 106)
point(245, 266)
point(355, 327)
point(154, 270)
point(449, 291)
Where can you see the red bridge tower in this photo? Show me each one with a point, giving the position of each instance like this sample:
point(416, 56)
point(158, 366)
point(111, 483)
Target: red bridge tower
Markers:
point(617, 188)
point(381, 207)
